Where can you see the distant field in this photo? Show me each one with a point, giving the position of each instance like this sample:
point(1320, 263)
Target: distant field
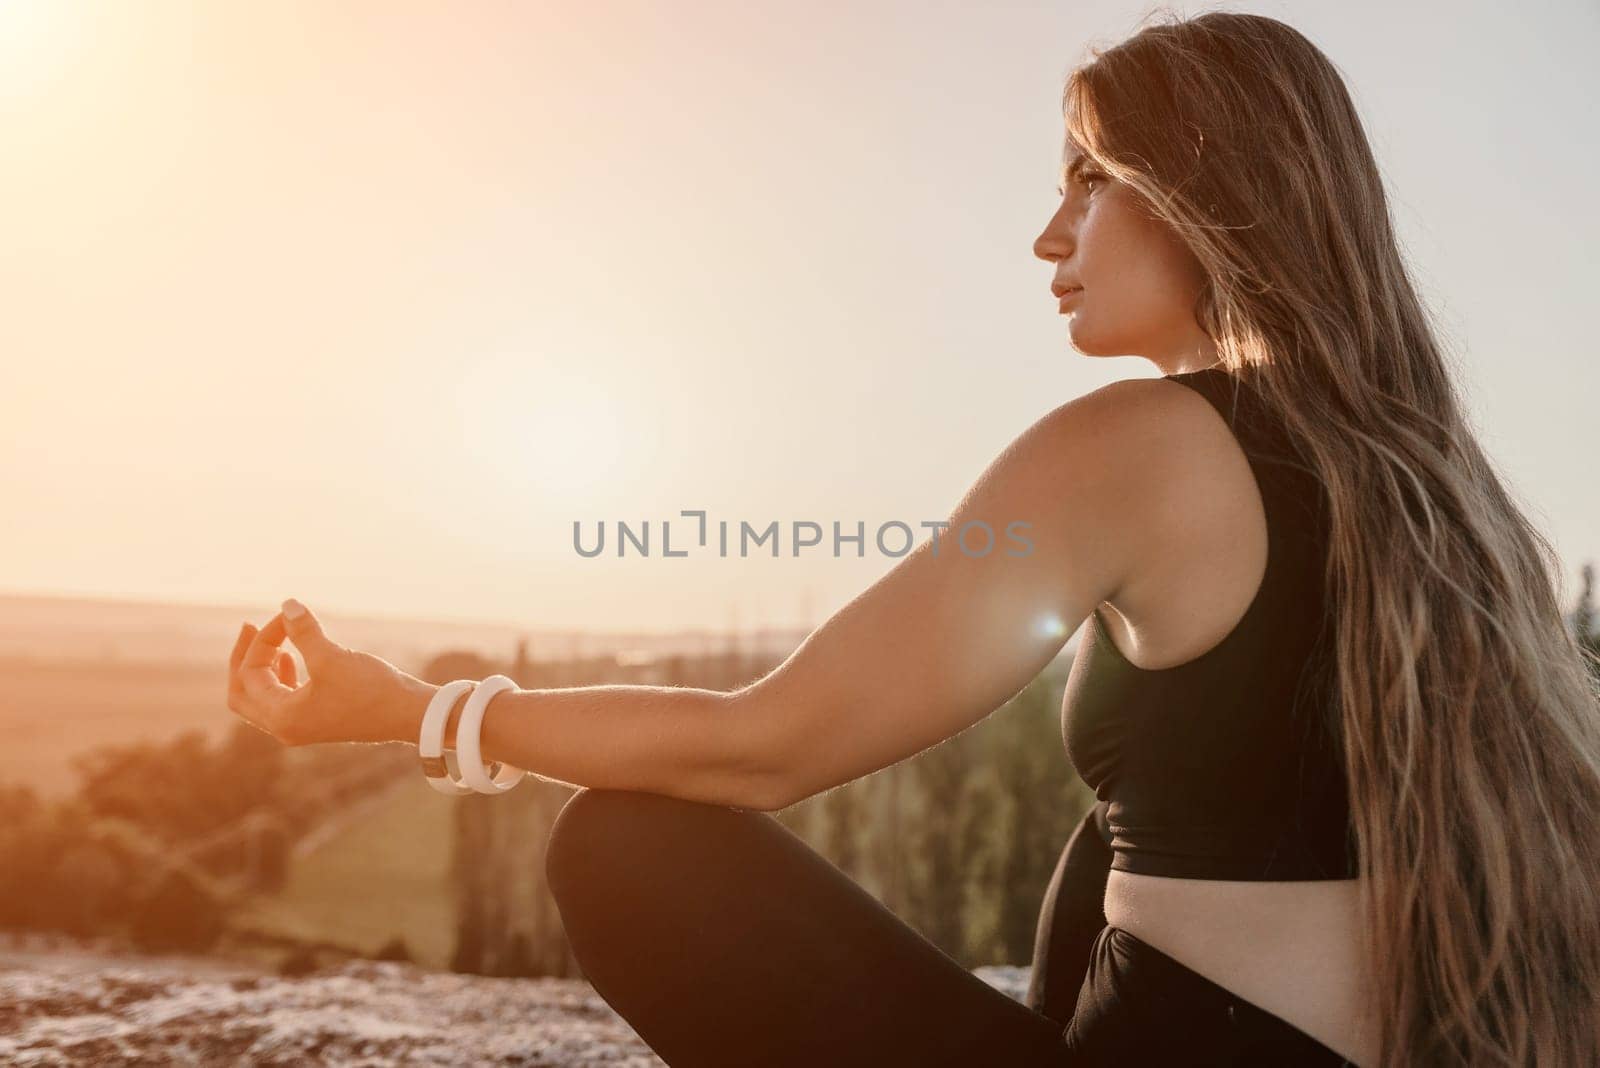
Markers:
point(385, 873)
point(51, 710)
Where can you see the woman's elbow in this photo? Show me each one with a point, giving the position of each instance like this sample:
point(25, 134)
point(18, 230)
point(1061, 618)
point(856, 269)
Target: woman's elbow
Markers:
point(765, 766)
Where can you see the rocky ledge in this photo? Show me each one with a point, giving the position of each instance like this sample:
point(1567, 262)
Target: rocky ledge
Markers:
point(69, 1005)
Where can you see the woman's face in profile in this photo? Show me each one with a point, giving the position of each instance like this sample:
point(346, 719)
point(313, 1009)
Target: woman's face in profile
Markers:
point(1139, 282)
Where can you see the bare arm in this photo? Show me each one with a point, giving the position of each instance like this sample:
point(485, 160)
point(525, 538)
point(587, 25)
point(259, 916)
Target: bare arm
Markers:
point(680, 741)
point(944, 639)
point(931, 648)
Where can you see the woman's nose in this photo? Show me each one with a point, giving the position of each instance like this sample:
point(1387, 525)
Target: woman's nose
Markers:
point(1047, 247)
point(1054, 243)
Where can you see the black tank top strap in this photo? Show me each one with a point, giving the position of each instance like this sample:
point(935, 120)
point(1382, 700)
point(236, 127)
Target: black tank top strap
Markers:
point(1277, 464)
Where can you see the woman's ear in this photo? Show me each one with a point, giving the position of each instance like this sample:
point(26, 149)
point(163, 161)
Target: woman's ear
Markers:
point(1205, 309)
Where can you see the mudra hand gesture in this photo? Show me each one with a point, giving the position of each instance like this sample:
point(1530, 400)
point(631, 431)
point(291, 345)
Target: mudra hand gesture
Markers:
point(347, 696)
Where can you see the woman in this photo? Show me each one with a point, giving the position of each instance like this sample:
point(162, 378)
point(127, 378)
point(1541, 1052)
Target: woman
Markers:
point(1346, 750)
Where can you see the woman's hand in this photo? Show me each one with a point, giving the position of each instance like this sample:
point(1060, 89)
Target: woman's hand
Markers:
point(348, 696)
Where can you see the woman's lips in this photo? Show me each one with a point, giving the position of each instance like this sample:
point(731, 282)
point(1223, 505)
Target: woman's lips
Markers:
point(1069, 297)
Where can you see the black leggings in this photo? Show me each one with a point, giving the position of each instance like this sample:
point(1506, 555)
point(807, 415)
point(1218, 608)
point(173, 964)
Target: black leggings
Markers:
point(723, 939)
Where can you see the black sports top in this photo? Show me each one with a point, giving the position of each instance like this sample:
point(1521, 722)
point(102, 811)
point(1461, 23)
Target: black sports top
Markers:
point(1226, 766)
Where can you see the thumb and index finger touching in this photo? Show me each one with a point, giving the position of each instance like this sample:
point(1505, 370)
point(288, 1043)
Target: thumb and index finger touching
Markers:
point(263, 648)
point(295, 623)
point(257, 652)
point(304, 629)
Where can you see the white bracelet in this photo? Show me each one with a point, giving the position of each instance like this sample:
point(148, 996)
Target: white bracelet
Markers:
point(472, 771)
point(439, 766)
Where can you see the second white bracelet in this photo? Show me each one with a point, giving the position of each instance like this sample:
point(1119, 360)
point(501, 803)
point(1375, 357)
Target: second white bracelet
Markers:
point(467, 747)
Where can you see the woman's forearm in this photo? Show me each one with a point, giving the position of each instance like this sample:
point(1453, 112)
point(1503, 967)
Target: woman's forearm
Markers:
point(700, 745)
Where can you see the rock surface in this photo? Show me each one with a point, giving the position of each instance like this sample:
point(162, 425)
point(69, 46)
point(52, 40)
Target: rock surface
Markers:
point(72, 1005)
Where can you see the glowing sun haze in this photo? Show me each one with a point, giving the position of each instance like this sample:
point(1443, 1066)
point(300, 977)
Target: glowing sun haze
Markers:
point(367, 303)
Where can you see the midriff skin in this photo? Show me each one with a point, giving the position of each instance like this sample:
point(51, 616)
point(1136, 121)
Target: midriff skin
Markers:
point(1290, 948)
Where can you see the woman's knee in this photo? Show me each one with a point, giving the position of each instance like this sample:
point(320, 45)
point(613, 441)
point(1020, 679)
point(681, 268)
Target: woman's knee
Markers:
point(604, 835)
point(579, 834)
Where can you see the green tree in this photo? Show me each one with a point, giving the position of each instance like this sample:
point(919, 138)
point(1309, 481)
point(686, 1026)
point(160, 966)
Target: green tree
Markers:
point(1584, 625)
point(1041, 801)
point(843, 813)
point(947, 838)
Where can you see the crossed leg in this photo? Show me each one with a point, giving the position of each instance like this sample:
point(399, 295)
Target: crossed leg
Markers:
point(724, 940)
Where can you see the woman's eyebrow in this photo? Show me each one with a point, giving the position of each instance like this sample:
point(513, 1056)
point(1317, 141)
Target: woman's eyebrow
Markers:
point(1070, 170)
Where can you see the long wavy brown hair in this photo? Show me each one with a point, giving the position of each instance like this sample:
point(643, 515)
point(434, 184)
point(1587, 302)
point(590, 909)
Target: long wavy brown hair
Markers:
point(1469, 719)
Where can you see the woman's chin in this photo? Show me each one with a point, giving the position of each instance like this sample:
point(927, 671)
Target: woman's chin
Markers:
point(1085, 342)
point(1082, 340)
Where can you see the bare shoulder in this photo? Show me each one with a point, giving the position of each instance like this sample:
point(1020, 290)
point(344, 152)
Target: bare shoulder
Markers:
point(1134, 432)
point(1146, 466)
point(1131, 400)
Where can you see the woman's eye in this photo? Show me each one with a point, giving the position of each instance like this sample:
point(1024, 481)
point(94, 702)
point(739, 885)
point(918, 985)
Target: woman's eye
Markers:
point(1082, 177)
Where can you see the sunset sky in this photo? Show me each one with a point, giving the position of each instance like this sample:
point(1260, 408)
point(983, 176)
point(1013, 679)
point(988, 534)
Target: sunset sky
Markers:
point(366, 303)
